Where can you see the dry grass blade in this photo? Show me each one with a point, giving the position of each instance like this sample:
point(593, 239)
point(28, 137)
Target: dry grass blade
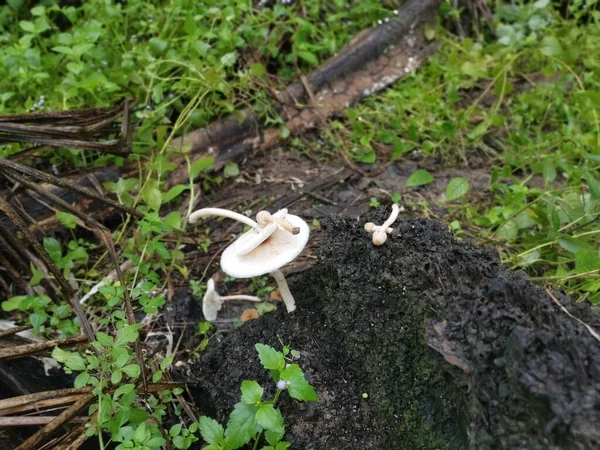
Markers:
point(81, 129)
point(10, 212)
point(27, 421)
point(67, 415)
point(38, 347)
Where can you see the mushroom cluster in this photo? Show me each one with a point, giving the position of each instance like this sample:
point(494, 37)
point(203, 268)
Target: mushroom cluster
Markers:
point(380, 232)
point(273, 241)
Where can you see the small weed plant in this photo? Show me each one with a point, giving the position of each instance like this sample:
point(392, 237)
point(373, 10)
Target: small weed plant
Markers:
point(122, 415)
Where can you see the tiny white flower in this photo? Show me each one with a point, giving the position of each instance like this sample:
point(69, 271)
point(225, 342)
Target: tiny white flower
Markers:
point(281, 385)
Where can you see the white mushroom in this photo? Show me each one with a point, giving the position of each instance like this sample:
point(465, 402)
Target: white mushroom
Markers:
point(278, 250)
point(212, 302)
point(274, 241)
point(380, 232)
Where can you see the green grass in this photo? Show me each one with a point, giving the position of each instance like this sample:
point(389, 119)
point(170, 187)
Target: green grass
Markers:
point(527, 98)
point(523, 100)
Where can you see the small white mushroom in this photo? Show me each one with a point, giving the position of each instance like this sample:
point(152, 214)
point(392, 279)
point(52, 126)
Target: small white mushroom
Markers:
point(212, 302)
point(380, 232)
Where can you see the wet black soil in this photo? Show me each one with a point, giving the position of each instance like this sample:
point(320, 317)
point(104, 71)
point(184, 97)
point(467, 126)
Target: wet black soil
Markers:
point(453, 351)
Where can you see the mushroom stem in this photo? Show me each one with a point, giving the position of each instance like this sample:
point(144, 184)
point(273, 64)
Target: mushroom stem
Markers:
point(285, 224)
point(250, 298)
point(284, 290)
point(263, 218)
point(207, 212)
point(393, 216)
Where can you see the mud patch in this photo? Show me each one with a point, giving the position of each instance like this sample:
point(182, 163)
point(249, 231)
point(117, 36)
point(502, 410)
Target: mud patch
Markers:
point(453, 351)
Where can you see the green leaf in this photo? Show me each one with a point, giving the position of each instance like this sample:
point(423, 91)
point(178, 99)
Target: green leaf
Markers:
point(257, 70)
point(593, 184)
point(429, 32)
point(270, 418)
point(308, 57)
point(157, 46)
point(586, 260)
point(284, 445)
point(152, 195)
point(572, 245)
point(298, 387)
point(13, 303)
point(72, 360)
point(229, 59)
point(270, 358)
point(456, 188)
point(231, 170)
point(174, 192)
point(38, 11)
point(81, 380)
point(508, 231)
point(251, 392)
point(156, 376)
point(122, 390)
point(242, 425)
point(27, 26)
point(201, 165)
point(120, 356)
point(116, 376)
point(274, 437)
point(38, 319)
point(551, 46)
point(104, 339)
point(419, 178)
point(52, 246)
point(212, 431)
point(173, 220)
point(68, 220)
point(175, 430)
point(132, 370)
point(36, 275)
point(127, 334)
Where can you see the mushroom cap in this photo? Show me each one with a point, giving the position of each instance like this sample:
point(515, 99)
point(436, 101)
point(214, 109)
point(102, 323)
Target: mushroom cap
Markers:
point(379, 237)
point(211, 303)
point(253, 238)
point(275, 251)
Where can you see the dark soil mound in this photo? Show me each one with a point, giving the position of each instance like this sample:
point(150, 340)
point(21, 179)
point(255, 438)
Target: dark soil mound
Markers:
point(453, 351)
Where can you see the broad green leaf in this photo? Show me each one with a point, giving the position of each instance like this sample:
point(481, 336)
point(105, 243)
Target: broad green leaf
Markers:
point(132, 370)
point(201, 165)
point(586, 260)
point(298, 387)
point(68, 220)
point(13, 303)
point(116, 376)
point(27, 26)
point(251, 392)
point(229, 59)
point(173, 220)
point(157, 46)
point(456, 188)
point(508, 231)
point(231, 170)
point(175, 430)
point(551, 46)
point(38, 319)
point(120, 356)
point(212, 431)
point(242, 425)
point(269, 357)
point(548, 170)
point(52, 246)
point(152, 195)
point(274, 437)
point(104, 339)
point(419, 177)
point(572, 245)
point(174, 192)
point(257, 69)
point(308, 57)
point(72, 360)
point(122, 390)
point(81, 380)
point(593, 184)
point(270, 418)
point(127, 334)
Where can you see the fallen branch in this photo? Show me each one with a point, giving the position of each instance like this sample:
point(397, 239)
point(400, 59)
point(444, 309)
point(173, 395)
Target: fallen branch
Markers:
point(39, 347)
